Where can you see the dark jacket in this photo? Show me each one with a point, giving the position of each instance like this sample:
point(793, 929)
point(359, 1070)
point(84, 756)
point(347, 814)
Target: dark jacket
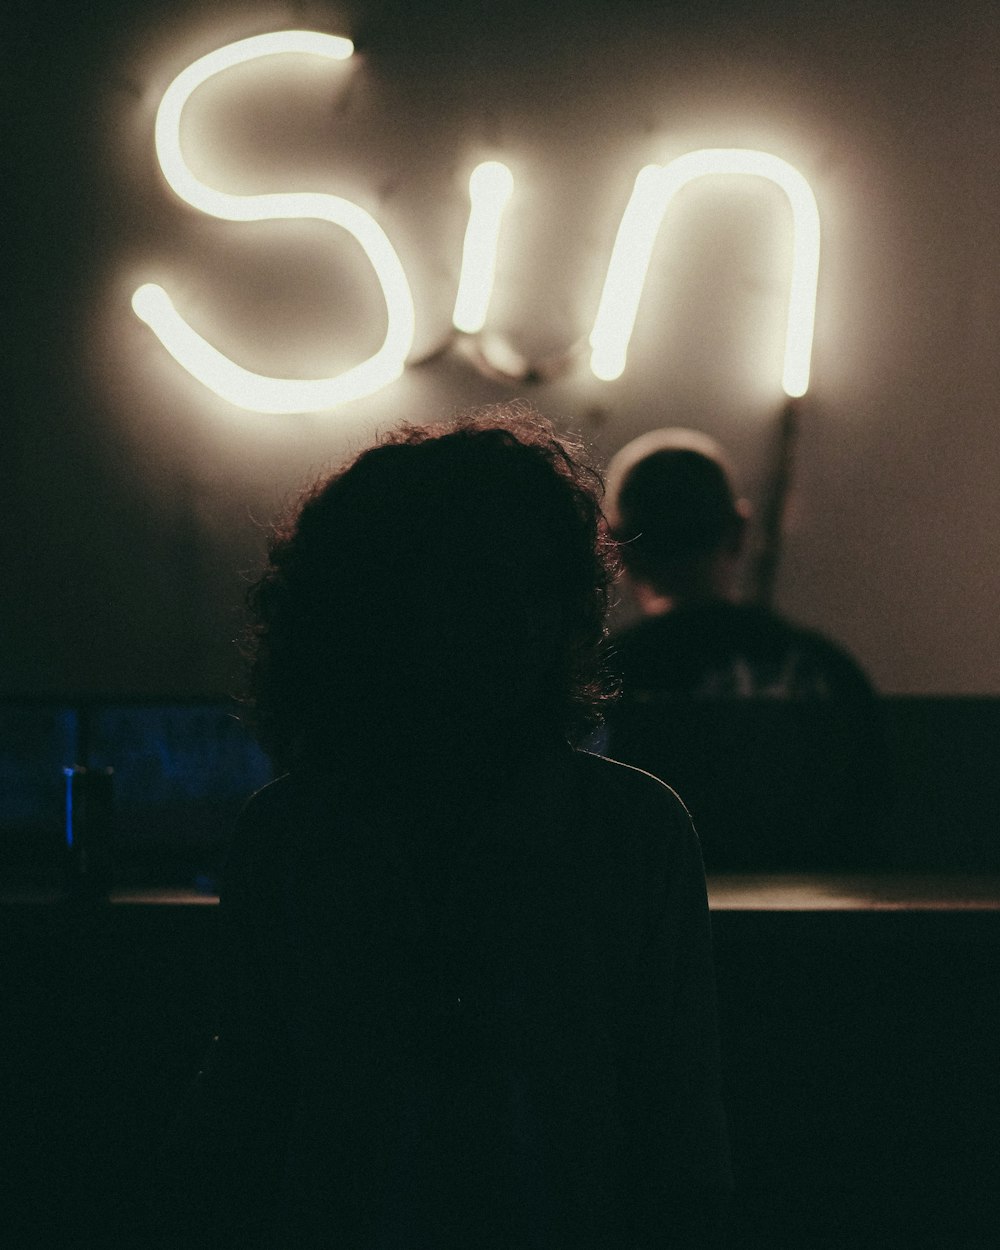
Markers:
point(722, 650)
point(772, 734)
point(445, 1027)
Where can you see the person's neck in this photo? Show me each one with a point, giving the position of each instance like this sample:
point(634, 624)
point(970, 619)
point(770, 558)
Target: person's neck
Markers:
point(652, 602)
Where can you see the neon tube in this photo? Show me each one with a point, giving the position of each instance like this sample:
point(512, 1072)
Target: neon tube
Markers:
point(490, 188)
point(153, 305)
point(655, 187)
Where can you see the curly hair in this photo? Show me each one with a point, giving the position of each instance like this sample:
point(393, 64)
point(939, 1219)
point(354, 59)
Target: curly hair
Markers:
point(448, 585)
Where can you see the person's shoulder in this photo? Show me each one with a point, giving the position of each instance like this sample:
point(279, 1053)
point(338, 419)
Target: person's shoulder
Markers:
point(635, 824)
point(826, 666)
point(270, 801)
point(842, 672)
point(630, 793)
point(602, 771)
point(263, 829)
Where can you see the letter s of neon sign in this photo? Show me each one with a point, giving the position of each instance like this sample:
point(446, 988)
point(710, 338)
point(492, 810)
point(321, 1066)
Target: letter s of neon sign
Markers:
point(490, 188)
point(196, 354)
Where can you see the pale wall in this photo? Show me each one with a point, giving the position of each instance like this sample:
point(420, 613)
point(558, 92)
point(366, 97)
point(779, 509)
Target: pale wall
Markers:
point(138, 499)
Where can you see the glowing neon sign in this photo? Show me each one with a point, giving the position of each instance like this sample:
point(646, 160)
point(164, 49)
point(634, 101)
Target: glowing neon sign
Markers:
point(655, 187)
point(154, 306)
point(490, 189)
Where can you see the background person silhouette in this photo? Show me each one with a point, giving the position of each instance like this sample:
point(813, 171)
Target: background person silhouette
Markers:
point(467, 997)
point(768, 730)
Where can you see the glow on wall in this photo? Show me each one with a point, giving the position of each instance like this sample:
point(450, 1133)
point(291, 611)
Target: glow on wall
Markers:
point(153, 305)
point(490, 189)
point(655, 187)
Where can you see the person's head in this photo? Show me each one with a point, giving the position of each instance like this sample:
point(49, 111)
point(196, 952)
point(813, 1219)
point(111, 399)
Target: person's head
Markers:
point(447, 586)
point(672, 507)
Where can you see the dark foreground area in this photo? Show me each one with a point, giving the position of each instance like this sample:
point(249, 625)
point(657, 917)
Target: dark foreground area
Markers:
point(859, 1029)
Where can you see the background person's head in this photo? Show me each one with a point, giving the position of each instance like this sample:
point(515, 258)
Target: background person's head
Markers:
point(672, 507)
point(446, 589)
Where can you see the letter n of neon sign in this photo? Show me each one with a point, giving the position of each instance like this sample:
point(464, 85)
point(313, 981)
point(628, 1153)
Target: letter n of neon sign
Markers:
point(655, 187)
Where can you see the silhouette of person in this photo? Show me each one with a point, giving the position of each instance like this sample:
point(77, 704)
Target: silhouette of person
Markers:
point(467, 996)
point(768, 730)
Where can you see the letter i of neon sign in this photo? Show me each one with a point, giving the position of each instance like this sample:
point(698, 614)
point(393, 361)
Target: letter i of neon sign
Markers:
point(490, 187)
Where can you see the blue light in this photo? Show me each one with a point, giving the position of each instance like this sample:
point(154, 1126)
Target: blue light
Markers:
point(69, 774)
